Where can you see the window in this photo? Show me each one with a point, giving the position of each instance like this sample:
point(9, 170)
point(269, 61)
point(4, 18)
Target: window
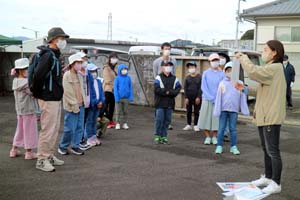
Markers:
point(287, 33)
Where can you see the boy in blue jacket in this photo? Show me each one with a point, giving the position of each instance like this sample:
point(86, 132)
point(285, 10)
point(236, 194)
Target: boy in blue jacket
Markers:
point(123, 94)
point(96, 103)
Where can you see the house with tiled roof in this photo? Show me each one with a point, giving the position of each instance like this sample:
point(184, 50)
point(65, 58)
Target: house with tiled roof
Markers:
point(278, 20)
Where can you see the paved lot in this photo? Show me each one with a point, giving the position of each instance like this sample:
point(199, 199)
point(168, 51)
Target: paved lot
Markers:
point(129, 166)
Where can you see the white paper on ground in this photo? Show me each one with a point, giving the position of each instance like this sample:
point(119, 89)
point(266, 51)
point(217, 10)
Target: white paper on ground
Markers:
point(230, 186)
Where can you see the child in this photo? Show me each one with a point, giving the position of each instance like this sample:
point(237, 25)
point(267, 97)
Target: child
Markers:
point(73, 103)
point(96, 102)
point(192, 94)
point(228, 102)
point(123, 94)
point(26, 133)
point(166, 88)
point(209, 86)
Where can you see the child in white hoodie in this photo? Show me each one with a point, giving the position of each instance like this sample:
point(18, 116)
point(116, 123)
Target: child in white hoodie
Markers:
point(26, 133)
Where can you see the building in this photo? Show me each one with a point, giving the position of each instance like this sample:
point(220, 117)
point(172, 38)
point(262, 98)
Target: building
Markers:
point(243, 44)
point(278, 20)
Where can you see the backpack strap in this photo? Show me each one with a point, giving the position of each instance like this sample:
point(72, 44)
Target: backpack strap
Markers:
point(54, 64)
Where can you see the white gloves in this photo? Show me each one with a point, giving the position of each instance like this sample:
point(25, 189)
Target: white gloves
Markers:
point(292, 83)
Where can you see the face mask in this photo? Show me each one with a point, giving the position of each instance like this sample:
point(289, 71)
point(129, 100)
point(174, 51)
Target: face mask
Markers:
point(222, 61)
point(124, 71)
point(95, 75)
point(113, 60)
point(168, 69)
point(61, 44)
point(214, 64)
point(266, 57)
point(192, 70)
point(166, 52)
point(77, 66)
point(228, 74)
point(84, 64)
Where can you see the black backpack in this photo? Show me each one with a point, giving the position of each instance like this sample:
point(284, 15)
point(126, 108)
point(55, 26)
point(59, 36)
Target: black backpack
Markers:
point(34, 87)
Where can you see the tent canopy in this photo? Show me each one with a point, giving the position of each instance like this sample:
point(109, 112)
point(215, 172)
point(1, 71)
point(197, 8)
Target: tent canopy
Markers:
point(9, 41)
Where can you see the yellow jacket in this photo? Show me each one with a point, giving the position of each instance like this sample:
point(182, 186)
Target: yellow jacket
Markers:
point(270, 106)
point(70, 102)
point(109, 76)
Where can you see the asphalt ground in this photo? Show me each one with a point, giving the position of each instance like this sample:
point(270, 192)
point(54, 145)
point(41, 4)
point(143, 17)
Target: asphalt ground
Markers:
point(129, 166)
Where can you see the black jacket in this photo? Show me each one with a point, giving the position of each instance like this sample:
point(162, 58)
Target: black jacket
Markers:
point(166, 88)
point(289, 72)
point(41, 72)
point(192, 87)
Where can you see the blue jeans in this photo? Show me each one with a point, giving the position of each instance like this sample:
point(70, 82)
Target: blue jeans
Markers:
point(225, 118)
point(163, 117)
point(91, 123)
point(73, 129)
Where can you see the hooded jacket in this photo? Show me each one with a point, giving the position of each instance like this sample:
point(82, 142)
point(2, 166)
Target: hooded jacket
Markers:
point(41, 71)
point(109, 76)
point(23, 100)
point(93, 97)
point(123, 85)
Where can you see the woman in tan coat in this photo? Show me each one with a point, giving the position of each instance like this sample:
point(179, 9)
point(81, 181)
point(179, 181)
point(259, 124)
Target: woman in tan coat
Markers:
point(269, 111)
point(109, 75)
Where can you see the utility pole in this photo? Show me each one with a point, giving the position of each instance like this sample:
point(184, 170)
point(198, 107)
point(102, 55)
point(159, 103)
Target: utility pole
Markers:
point(35, 32)
point(238, 19)
point(109, 27)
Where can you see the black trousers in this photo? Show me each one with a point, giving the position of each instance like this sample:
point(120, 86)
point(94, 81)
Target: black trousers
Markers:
point(289, 96)
point(109, 105)
point(189, 111)
point(270, 136)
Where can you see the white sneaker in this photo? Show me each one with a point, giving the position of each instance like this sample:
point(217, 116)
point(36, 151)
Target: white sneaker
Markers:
point(272, 188)
point(262, 181)
point(118, 126)
point(44, 165)
point(196, 128)
point(214, 140)
point(55, 161)
point(125, 126)
point(187, 128)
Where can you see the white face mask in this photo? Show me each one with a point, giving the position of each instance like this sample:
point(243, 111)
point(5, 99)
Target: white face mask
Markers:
point(228, 74)
point(95, 75)
point(214, 64)
point(113, 60)
point(77, 66)
point(192, 70)
point(222, 61)
point(61, 44)
point(84, 64)
point(124, 71)
point(168, 69)
point(166, 52)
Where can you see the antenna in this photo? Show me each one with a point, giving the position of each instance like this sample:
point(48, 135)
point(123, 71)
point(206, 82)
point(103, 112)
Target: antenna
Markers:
point(109, 28)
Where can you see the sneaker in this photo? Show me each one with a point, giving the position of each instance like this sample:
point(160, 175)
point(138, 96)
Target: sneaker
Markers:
point(187, 128)
point(118, 126)
point(44, 165)
point(272, 188)
point(196, 128)
point(91, 142)
point(125, 126)
point(77, 151)
point(170, 127)
point(234, 150)
point(111, 125)
point(157, 139)
point(219, 150)
point(84, 146)
point(55, 161)
point(98, 141)
point(30, 155)
point(14, 153)
point(164, 140)
point(62, 151)
point(214, 140)
point(207, 141)
point(262, 181)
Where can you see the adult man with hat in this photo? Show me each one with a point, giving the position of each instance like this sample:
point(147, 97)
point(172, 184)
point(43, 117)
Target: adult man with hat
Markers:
point(47, 81)
point(289, 72)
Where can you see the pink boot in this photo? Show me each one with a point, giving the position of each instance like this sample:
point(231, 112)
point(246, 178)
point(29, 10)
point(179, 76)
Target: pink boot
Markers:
point(30, 155)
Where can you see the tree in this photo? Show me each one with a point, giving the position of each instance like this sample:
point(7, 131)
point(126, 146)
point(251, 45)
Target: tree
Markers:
point(249, 35)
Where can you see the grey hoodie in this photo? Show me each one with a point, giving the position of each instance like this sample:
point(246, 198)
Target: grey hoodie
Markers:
point(23, 99)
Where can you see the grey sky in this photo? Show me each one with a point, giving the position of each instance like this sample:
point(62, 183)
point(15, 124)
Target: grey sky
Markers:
point(148, 21)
